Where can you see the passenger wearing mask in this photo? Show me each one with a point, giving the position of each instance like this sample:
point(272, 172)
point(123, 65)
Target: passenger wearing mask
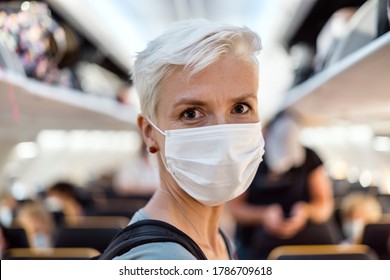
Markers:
point(198, 85)
point(63, 197)
point(38, 224)
point(290, 198)
point(357, 210)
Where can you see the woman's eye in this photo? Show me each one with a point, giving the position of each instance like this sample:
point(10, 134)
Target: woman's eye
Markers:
point(240, 108)
point(191, 113)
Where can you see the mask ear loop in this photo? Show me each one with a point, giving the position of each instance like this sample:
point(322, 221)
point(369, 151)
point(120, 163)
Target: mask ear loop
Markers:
point(156, 127)
point(163, 133)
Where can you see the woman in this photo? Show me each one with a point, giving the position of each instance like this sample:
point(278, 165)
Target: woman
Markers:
point(358, 209)
point(198, 86)
point(290, 201)
point(39, 225)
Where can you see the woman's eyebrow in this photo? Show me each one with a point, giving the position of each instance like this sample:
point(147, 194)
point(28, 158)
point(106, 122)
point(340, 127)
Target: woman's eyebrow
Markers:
point(245, 97)
point(190, 101)
point(198, 102)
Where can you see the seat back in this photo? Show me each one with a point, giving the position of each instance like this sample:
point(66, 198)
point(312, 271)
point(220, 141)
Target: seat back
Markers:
point(102, 222)
point(120, 206)
point(79, 237)
point(16, 237)
point(323, 252)
point(376, 236)
point(51, 254)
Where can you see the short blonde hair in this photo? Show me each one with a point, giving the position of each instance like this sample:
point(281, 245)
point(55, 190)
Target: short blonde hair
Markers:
point(194, 44)
point(34, 213)
point(365, 203)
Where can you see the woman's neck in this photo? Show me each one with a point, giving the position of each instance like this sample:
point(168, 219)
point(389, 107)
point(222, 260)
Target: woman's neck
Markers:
point(198, 221)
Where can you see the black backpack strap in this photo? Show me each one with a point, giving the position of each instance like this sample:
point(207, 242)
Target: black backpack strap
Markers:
point(149, 231)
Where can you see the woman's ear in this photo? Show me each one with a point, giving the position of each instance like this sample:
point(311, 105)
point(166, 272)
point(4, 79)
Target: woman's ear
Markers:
point(146, 131)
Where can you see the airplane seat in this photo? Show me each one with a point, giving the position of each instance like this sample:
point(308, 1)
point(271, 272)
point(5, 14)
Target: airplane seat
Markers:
point(323, 252)
point(16, 237)
point(80, 237)
point(376, 236)
point(120, 206)
point(101, 222)
point(51, 254)
point(388, 245)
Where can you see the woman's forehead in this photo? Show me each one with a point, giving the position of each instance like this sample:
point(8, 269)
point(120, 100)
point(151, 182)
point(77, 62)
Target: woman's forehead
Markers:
point(227, 77)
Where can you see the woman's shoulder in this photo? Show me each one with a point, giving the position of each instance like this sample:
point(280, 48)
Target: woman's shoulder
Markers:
point(138, 216)
point(155, 250)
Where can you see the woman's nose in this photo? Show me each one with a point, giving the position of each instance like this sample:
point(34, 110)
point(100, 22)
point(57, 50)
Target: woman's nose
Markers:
point(220, 119)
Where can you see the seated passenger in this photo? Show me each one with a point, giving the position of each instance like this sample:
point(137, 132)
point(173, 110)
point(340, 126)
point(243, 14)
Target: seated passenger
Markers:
point(357, 210)
point(38, 224)
point(65, 196)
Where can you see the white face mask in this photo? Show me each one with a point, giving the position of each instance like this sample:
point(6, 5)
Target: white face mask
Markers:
point(214, 164)
point(54, 204)
point(6, 216)
point(41, 241)
point(353, 229)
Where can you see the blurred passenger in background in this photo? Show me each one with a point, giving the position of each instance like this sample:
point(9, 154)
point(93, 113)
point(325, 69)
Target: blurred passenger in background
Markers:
point(67, 198)
point(357, 210)
point(8, 206)
point(290, 199)
point(38, 223)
